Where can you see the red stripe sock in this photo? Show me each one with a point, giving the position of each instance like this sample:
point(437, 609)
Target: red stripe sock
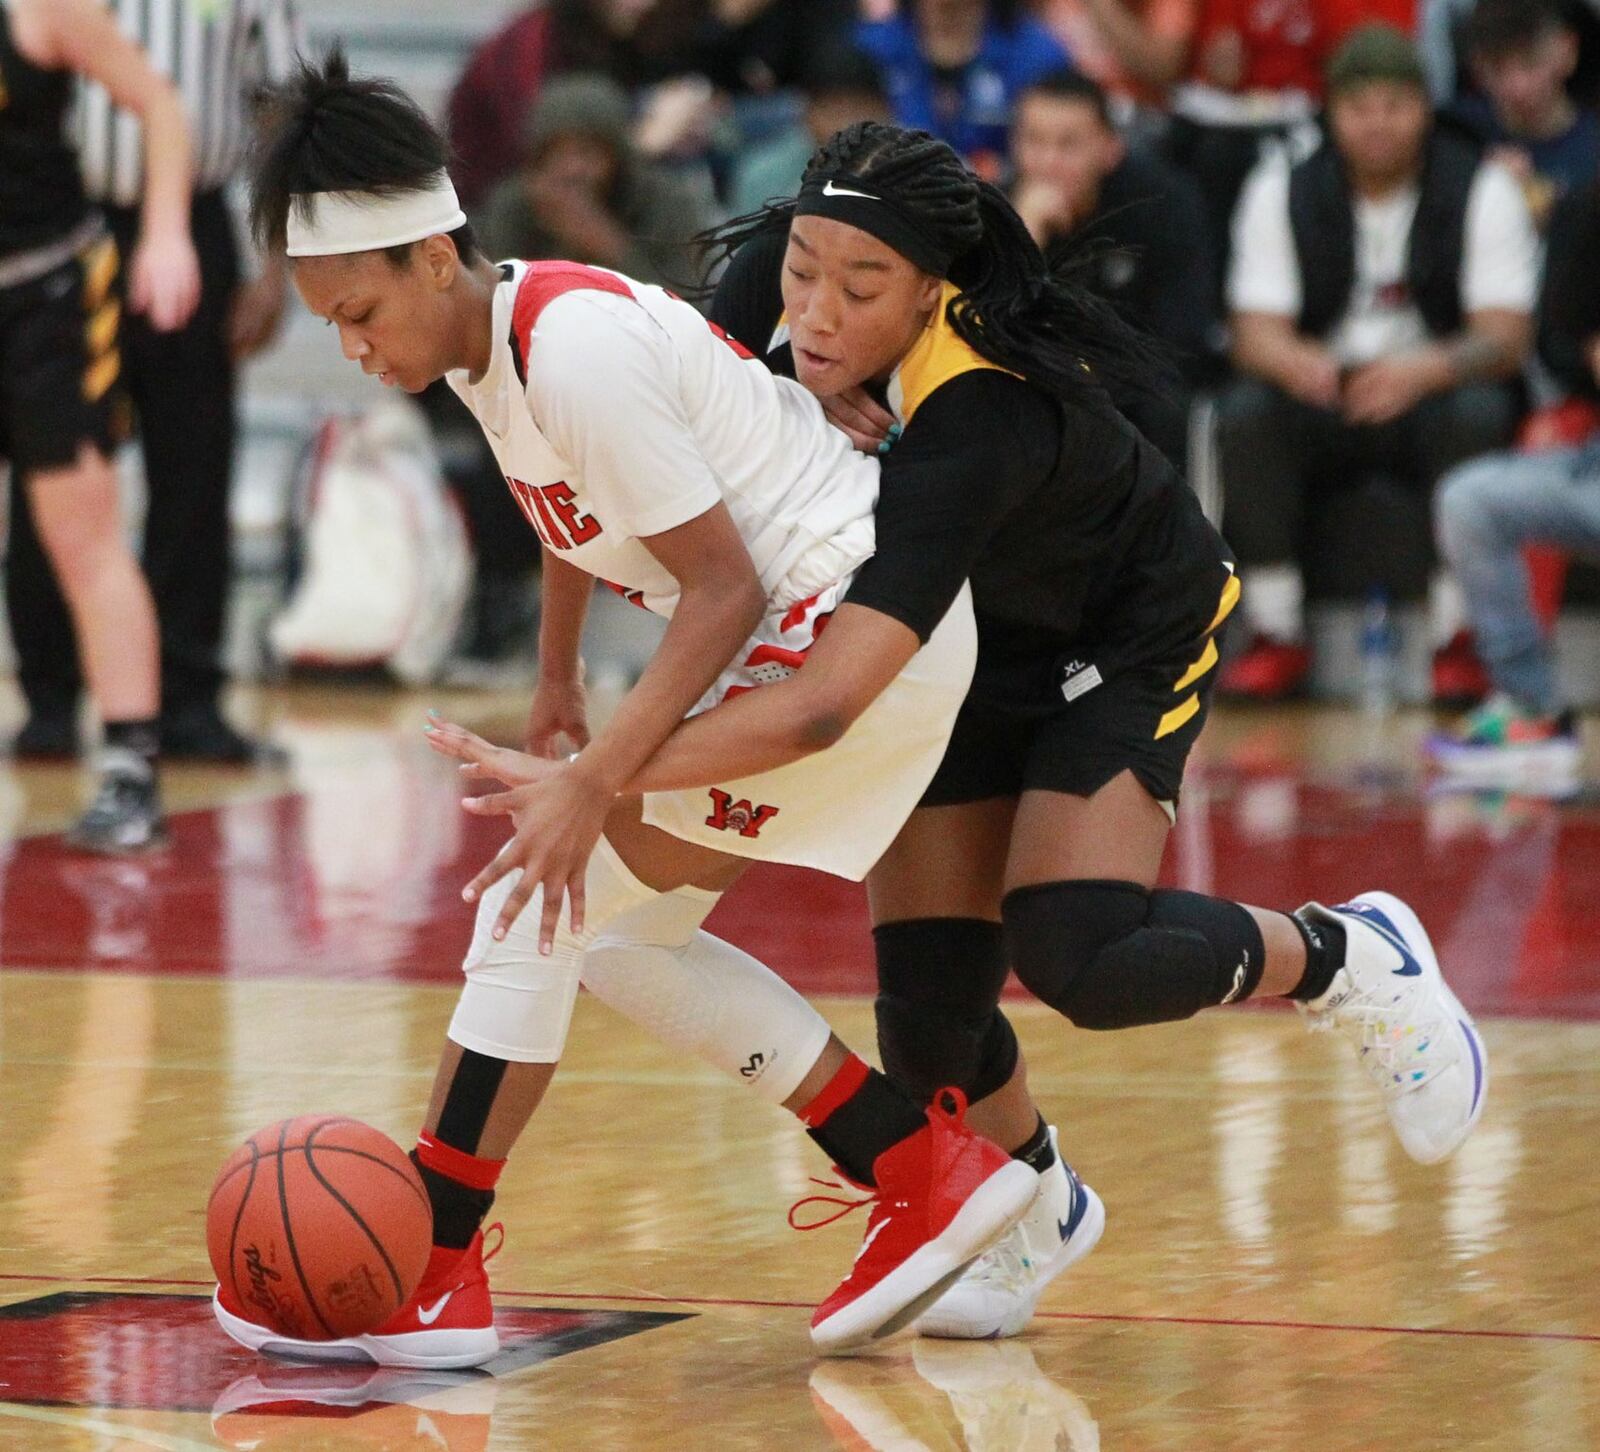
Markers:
point(837, 1091)
point(469, 1170)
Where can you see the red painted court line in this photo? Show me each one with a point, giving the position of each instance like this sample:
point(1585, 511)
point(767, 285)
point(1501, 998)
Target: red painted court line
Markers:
point(652, 1300)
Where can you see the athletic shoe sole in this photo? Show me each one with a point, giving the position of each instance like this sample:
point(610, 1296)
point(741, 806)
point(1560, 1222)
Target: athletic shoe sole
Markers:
point(925, 1275)
point(450, 1350)
point(1416, 936)
point(1082, 1240)
point(1505, 765)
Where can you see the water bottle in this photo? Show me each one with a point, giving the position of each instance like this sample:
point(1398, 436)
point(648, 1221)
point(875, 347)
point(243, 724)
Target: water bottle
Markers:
point(1380, 655)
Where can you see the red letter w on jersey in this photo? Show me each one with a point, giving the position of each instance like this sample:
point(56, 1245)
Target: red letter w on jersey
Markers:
point(728, 815)
point(553, 513)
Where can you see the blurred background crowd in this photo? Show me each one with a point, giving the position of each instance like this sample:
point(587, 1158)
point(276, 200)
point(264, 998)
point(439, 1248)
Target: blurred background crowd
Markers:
point(1362, 228)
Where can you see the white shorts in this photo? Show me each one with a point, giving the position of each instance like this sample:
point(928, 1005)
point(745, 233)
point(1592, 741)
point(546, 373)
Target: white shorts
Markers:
point(837, 810)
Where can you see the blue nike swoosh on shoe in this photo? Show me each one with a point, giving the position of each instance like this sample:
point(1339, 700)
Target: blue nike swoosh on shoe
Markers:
point(1380, 924)
point(1477, 1062)
point(1080, 1203)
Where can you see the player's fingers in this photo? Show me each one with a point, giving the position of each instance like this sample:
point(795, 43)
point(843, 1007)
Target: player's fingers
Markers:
point(575, 896)
point(495, 804)
point(578, 733)
point(873, 412)
point(515, 901)
point(550, 915)
point(491, 873)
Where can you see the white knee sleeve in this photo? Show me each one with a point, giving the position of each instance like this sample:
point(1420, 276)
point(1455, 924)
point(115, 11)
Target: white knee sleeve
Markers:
point(703, 996)
point(517, 1002)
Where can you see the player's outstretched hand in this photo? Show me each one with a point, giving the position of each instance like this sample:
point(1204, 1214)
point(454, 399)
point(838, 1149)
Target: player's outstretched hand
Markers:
point(483, 759)
point(164, 280)
point(558, 820)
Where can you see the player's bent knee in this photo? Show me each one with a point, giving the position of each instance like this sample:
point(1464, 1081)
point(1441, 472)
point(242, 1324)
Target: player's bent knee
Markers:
point(939, 982)
point(522, 1023)
point(1113, 955)
point(517, 1003)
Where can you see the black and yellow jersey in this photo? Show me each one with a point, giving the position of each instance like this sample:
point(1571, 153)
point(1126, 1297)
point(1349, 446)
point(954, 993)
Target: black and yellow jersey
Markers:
point(1073, 529)
point(41, 194)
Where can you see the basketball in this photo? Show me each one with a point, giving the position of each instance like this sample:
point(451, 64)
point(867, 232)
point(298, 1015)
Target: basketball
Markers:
point(320, 1226)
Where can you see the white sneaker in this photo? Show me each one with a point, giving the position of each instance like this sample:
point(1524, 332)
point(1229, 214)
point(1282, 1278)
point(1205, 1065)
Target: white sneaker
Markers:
point(997, 1294)
point(1415, 1041)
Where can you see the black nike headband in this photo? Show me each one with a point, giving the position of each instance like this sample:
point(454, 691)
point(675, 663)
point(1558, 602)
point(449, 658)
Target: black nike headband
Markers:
point(849, 199)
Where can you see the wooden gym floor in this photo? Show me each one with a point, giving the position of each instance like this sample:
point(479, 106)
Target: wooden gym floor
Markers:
point(1275, 1274)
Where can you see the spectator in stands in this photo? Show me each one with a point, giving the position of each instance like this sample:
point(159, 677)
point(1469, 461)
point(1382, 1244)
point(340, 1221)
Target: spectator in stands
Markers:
point(583, 193)
point(1253, 83)
point(1381, 294)
point(841, 86)
point(636, 42)
point(1523, 53)
point(1076, 179)
point(1136, 49)
point(1490, 508)
point(955, 68)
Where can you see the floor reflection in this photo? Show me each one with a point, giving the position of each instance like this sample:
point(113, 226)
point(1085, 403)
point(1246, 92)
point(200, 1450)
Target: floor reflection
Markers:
point(354, 869)
point(981, 1396)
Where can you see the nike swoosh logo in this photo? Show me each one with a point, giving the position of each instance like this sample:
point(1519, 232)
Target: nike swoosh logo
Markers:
point(1064, 1228)
point(872, 1235)
point(1409, 967)
point(830, 190)
point(433, 1312)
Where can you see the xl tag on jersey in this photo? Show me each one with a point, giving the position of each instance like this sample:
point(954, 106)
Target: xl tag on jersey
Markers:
point(1078, 678)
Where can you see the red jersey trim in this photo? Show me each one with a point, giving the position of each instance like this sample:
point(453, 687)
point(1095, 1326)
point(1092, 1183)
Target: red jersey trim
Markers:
point(544, 282)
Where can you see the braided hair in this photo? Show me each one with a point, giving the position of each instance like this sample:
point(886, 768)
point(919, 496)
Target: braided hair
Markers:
point(1035, 318)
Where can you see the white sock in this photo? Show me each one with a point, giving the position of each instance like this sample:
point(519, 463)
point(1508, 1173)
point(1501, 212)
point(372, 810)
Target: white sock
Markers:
point(1447, 608)
point(1274, 601)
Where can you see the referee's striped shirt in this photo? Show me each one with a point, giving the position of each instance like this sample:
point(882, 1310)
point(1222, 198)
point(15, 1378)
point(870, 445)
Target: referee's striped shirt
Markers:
point(216, 52)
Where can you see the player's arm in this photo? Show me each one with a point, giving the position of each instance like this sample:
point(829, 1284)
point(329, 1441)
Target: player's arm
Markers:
point(558, 709)
point(601, 384)
point(720, 603)
point(857, 658)
point(164, 278)
point(946, 486)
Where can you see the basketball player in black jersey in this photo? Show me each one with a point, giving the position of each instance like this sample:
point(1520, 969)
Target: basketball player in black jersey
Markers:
point(908, 295)
point(59, 364)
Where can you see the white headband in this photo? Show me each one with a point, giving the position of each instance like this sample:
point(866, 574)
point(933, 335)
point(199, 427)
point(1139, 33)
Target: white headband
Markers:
point(341, 222)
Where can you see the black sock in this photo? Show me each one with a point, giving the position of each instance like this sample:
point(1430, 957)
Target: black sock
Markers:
point(1324, 955)
point(458, 1210)
point(1037, 1152)
point(879, 1114)
point(468, 1101)
point(140, 737)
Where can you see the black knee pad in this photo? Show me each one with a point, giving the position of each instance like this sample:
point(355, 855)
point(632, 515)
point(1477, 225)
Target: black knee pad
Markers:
point(1113, 955)
point(939, 981)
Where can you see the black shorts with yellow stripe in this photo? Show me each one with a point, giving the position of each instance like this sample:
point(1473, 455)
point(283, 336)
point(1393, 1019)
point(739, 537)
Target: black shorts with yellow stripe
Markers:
point(1072, 720)
point(59, 362)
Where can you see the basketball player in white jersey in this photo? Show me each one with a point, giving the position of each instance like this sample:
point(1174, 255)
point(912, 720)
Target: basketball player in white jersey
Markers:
point(649, 451)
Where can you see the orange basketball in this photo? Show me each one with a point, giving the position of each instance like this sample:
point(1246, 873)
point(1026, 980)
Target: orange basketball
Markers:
point(319, 1226)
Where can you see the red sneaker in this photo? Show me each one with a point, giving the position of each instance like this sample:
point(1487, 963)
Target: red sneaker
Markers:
point(1459, 679)
point(944, 1196)
point(448, 1323)
point(1266, 670)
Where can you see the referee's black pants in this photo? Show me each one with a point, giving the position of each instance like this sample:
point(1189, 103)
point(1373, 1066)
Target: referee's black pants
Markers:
point(181, 385)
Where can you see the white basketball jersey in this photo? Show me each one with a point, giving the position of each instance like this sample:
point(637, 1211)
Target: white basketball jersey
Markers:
point(617, 412)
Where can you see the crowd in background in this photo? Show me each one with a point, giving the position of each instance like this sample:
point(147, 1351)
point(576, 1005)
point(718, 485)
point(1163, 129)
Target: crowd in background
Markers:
point(1361, 228)
point(1333, 212)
